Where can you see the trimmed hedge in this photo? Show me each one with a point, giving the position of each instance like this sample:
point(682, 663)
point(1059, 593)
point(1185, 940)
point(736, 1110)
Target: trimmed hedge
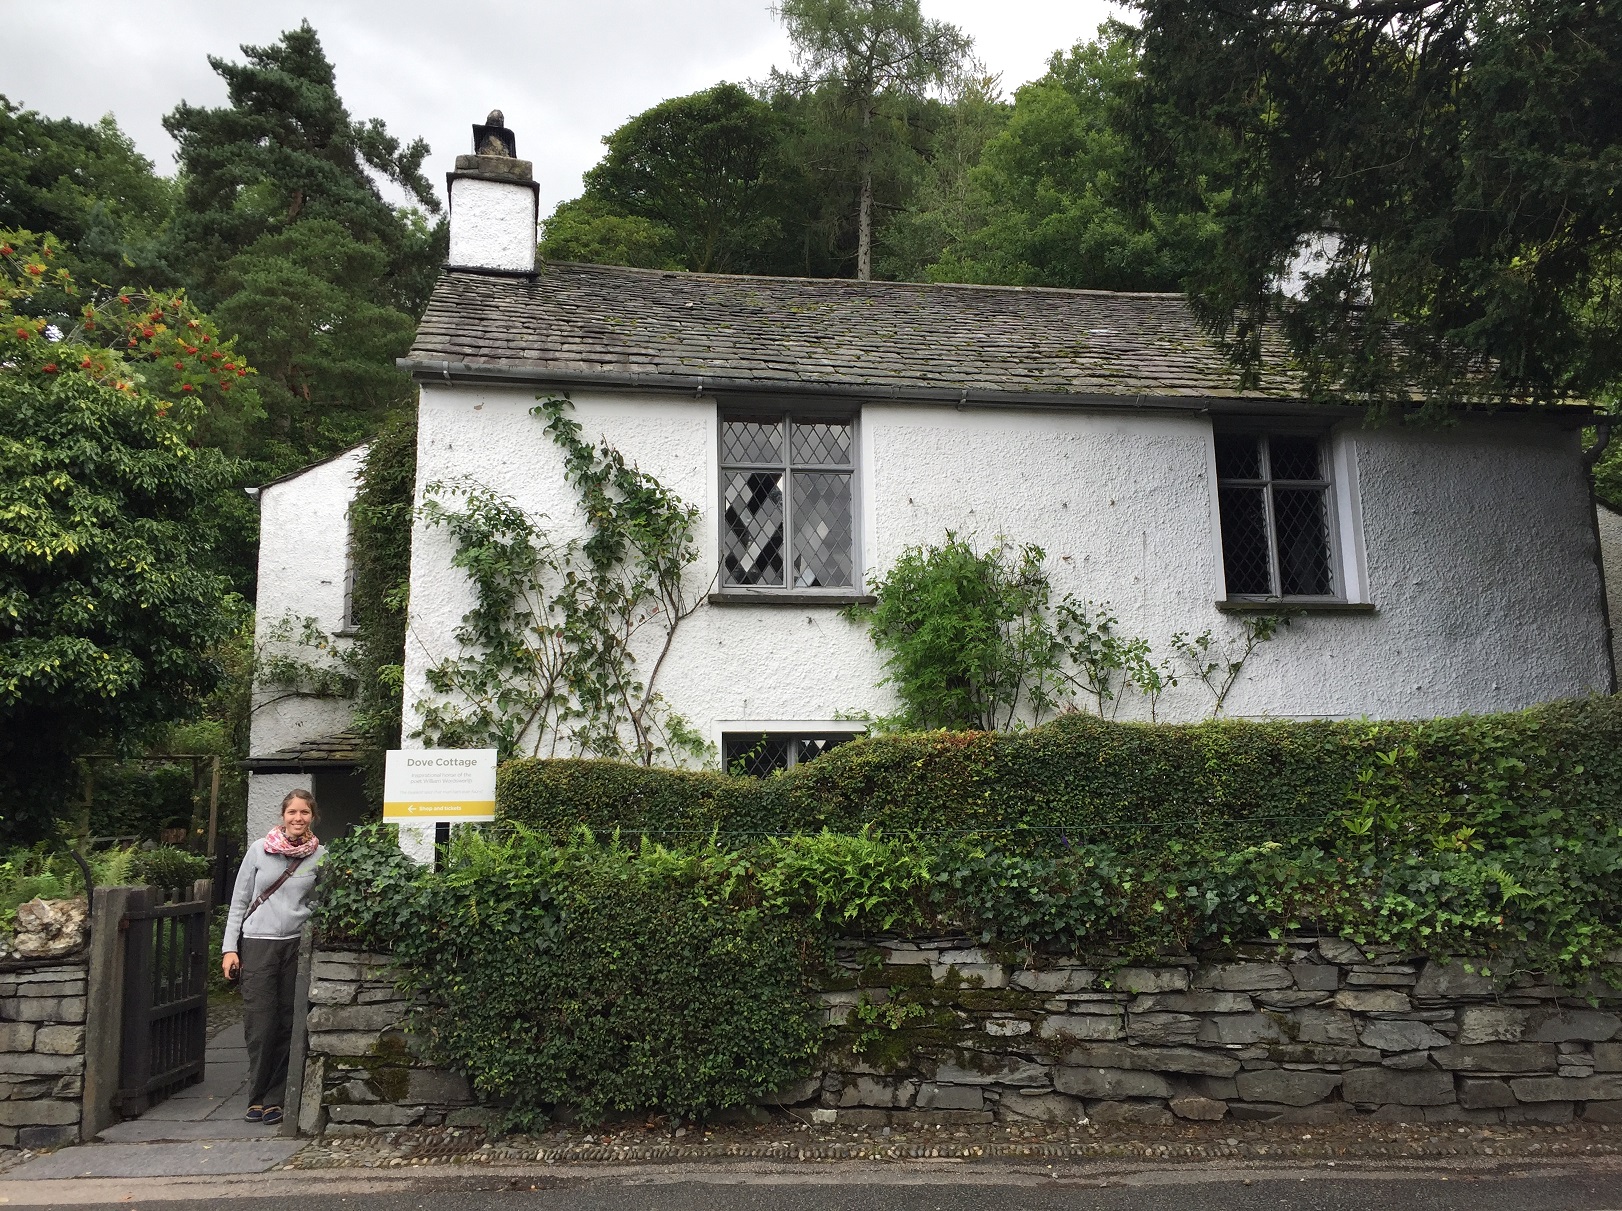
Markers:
point(1130, 785)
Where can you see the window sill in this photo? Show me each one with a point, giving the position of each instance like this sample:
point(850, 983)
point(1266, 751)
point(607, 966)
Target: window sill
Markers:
point(774, 598)
point(1241, 605)
point(347, 633)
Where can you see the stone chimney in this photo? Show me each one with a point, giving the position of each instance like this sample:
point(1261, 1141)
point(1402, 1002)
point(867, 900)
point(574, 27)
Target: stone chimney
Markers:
point(494, 204)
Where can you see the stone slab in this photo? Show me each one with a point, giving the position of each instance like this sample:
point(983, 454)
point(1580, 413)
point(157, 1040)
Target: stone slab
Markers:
point(1152, 1059)
point(1452, 980)
point(1150, 979)
point(1577, 1025)
point(187, 1159)
point(1042, 1107)
point(1567, 1088)
point(1382, 1085)
point(1287, 1088)
point(1390, 1035)
point(1246, 977)
point(150, 1130)
point(1059, 979)
point(1315, 977)
point(1096, 1026)
point(1191, 1002)
point(1110, 1083)
point(1490, 1024)
point(1497, 1057)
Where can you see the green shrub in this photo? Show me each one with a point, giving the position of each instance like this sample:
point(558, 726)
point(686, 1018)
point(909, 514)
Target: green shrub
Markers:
point(669, 974)
point(168, 867)
point(584, 974)
point(1135, 787)
point(137, 799)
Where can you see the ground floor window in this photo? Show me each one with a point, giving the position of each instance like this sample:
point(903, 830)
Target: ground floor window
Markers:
point(756, 754)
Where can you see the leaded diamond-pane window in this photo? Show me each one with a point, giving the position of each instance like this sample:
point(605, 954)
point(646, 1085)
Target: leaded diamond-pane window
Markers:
point(758, 754)
point(786, 513)
point(1273, 492)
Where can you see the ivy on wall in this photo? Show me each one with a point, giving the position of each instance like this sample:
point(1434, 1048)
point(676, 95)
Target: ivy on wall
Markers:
point(552, 655)
point(380, 537)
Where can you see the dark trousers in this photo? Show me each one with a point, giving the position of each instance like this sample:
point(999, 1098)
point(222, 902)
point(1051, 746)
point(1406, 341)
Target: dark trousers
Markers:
point(269, 966)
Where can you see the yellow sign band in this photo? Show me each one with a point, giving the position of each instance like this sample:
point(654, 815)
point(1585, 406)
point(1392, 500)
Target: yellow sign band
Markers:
point(423, 809)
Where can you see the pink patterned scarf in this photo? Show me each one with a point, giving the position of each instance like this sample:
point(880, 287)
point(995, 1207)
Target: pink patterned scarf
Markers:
point(277, 843)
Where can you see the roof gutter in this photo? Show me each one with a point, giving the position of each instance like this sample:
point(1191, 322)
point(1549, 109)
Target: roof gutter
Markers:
point(425, 370)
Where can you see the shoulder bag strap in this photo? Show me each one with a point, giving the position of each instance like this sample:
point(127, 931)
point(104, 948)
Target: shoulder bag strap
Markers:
point(292, 865)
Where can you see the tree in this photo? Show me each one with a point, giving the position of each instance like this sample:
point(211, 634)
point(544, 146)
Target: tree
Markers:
point(590, 230)
point(863, 56)
point(1440, 175)
point(109, 603)
point(1049, 199)
point(706, 168)
point(284, 150)
point(945, 204)
point(282, 231)
point(89, 187)
point(303, 299)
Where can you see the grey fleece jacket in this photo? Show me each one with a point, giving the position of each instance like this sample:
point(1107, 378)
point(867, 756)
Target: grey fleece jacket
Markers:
point(284, 914)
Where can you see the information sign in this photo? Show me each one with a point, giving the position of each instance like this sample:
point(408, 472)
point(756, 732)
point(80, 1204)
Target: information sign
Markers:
point(431, 784)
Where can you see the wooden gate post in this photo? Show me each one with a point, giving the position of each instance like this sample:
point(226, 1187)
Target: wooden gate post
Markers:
point(104, 1009)
point(136, 1066)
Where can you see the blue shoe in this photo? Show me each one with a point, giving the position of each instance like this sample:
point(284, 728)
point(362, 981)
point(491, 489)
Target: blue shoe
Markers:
point(256, 1114)
point(271, 1116)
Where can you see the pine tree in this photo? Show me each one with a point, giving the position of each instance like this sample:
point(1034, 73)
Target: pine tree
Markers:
point(283, 232)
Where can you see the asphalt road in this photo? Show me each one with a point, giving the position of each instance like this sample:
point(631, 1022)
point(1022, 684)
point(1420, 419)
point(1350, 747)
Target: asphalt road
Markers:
point(1553, 1186)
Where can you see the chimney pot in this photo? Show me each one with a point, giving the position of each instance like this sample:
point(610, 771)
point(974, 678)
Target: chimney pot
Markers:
point(495, 204)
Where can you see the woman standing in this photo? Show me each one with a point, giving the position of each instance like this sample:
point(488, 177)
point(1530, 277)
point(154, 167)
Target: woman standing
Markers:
point(268, 910)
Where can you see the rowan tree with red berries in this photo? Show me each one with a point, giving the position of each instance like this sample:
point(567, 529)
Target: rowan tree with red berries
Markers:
point(109, 603)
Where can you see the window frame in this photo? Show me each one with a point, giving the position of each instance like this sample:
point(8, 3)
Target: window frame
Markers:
point(790, 734)
point(786, 414)
point(1327, 482)
point(349, 625)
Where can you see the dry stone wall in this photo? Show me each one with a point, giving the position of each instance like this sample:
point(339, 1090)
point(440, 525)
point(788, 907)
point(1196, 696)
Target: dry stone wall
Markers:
point(42, 1033)
point(1307, 1030)
point(360, 1068)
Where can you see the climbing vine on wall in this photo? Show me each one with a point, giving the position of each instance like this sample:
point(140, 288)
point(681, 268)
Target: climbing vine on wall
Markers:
point(561, 653)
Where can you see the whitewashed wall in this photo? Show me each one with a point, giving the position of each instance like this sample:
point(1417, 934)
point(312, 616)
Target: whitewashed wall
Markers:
point(1475, 544)
point(1609, 522)
point(303, 563)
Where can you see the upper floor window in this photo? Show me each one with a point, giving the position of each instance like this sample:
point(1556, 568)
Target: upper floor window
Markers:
point(351, 620)
point(1274, 494)
point(787, 516)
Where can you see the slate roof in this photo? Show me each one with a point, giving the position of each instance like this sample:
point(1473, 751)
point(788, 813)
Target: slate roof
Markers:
point(605, 323)
point(340, 749)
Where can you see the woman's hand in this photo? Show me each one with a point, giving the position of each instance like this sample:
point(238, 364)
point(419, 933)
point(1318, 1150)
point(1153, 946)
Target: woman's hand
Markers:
point(231, 965)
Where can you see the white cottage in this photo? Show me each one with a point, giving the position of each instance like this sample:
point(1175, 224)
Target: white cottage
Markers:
point(823, 426)
point(305, 594)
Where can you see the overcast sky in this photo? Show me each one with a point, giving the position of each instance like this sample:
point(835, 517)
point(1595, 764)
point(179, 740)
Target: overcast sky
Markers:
point(565, 73)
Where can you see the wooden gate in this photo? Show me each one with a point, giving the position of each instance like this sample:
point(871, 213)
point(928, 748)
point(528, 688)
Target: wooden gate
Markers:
point(165, 995)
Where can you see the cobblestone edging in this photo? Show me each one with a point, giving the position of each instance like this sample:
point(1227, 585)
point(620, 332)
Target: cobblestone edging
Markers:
point(42, 1015)
point(1190, 1142)
point(1301, 1031)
